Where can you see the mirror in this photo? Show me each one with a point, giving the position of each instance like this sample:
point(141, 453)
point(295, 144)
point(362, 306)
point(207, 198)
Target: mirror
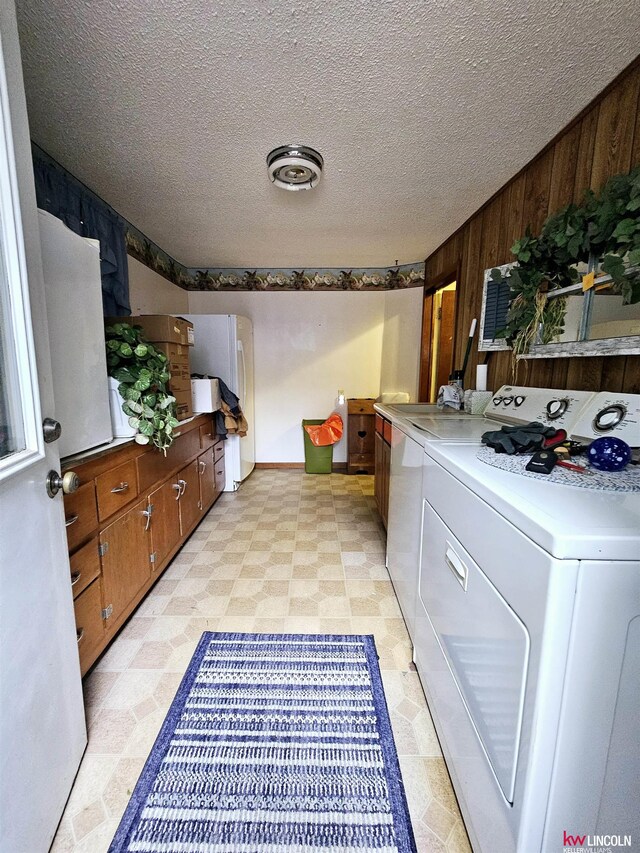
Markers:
point(596, 321)
point(610, 318)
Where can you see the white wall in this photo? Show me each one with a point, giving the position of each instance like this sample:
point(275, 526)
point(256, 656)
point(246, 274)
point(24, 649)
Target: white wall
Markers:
point(151, 293)
point(401, 341)
point(307, 346)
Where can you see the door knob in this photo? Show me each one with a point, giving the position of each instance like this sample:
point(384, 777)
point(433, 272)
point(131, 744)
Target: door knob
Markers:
point(68, 482)
point(51, 430)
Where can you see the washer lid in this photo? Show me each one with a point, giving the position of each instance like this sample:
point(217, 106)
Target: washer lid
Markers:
point(568, 522)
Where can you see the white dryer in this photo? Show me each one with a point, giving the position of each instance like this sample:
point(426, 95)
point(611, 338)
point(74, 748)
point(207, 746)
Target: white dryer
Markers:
point(527, 642)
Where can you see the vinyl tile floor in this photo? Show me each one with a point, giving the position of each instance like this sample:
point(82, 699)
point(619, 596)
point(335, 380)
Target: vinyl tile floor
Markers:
point(289, 552)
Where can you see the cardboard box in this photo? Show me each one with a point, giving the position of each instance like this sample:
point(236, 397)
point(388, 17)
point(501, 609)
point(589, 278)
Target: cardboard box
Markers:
point(205, 395)
point(160, 328)
point(183, 404)
point(177, 359)
point(179, 385)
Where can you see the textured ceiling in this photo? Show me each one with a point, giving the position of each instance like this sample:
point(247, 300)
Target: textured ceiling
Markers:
point(421, 109)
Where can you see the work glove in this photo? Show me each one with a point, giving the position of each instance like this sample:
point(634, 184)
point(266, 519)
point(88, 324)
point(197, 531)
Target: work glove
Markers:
point(520, 438)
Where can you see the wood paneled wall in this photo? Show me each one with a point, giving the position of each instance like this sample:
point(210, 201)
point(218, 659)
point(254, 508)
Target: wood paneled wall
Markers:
point(604, 140)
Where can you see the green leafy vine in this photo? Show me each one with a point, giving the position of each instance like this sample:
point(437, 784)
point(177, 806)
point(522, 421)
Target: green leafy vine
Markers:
point(142, 373)
point(606, 225)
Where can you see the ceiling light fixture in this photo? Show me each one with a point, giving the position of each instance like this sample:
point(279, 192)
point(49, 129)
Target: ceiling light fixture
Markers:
point(295, 167)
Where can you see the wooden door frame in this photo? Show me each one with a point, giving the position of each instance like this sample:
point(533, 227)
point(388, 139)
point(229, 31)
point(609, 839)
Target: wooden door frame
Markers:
point(426, 354)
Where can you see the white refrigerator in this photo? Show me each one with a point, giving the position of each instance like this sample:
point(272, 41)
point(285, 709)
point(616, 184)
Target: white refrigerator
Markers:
point(223, 347)
point(73, 293)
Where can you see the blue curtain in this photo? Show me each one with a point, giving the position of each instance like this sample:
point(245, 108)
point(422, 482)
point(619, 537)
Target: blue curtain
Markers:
point(62, 195)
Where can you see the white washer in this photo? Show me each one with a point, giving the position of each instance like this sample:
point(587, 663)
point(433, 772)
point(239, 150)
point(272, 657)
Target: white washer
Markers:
point(527, 642)
point(416, 424)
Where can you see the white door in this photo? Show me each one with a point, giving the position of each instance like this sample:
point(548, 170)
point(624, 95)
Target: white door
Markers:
point(42, 731)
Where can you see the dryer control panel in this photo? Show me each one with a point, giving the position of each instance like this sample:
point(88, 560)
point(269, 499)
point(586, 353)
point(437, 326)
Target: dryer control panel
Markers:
point(610, 414)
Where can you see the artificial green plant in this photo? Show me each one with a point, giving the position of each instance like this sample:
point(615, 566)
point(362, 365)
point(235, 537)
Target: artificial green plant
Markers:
point(142, 374)
point(606, 226)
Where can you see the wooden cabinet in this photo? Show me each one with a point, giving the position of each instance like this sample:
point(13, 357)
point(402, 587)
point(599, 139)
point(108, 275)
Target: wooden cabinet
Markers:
point(116, 488)
point(360, 436)
point(85, 566)
point(134, 509)
point(207, 474)
point(125, 550)
point(220, 475)
point(165, 521)
point(382, 466)
point(189, 498)
point(80, 514)
point(89, 624)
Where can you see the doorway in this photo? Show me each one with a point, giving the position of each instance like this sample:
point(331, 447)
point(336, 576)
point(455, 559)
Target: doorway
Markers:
point(438, 339)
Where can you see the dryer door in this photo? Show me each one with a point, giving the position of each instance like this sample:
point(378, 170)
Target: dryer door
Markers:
point(484, 642)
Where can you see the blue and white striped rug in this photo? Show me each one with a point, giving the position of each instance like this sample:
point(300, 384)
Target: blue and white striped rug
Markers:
point(274, 743)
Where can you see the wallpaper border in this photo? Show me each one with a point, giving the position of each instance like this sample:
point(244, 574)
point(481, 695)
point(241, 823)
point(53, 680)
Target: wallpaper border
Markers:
point(218, 279)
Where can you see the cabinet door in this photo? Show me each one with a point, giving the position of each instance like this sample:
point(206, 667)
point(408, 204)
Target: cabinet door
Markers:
point(165, 520)
point(361, 430)
point(220, 470)
point(206, 471)
point(189, 502)
point(126, 564)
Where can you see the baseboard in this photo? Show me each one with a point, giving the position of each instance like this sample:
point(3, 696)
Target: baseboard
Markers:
point(279, 464)
point(338, 467)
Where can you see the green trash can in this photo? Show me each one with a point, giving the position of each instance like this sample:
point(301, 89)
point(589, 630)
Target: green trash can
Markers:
point(317, 460)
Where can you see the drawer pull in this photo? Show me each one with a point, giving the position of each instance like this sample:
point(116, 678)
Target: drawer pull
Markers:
point(219, 472)
point(79, 634)
point(178, 488)
point(456, 567)
point(121, 488)
point(71, 519)
point(75, 577)
point(203, 466)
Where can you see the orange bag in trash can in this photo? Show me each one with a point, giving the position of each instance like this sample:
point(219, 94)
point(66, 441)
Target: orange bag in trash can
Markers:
point(327, 433)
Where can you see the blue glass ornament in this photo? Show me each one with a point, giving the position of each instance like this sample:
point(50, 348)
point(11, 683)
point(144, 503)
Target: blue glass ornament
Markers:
point(609, 453)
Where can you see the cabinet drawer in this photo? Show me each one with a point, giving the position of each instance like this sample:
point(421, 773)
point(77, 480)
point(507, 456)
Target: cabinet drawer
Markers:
point(81, 514)
point(358, 406)
point(218, 451)
point(89, 624)
point(85, 566)
point(116, 488)
point(207, 436)
point(379, 424)
point(153, 466)
point(386, 431)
